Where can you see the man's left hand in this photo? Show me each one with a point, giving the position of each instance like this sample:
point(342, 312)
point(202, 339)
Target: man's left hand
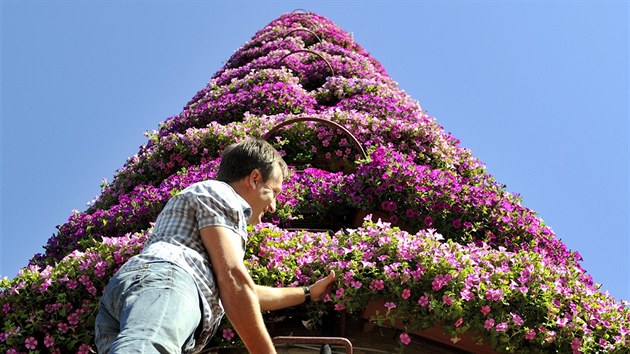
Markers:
point(322, 286)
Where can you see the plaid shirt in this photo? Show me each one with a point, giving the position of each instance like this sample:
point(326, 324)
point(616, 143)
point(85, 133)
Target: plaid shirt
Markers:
point(176, 239)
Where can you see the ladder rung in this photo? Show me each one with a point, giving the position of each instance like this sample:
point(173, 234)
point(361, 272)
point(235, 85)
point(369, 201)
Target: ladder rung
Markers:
point(314, 340)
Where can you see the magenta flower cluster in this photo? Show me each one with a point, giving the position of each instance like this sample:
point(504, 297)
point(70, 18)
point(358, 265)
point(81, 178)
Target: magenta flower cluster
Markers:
point(456, 248)
point(465, 209)
point(134, 211)
point(46, 310)
point(520, 300)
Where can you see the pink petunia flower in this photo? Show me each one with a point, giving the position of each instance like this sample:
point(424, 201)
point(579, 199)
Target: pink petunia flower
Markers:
point(63, 327)
point(576, 343)
point(406, 294)
point(518, 320)
point(467, 295)
point(423, 301)
point(405, 339)
point(494, 294)
point(45, 285)
point(459, 322)
point(30, 343)
point(489, 323)
point(440, 280)
point(389, 205)
point(502, 327)
point(228, 334)
point(457, 223)
point(447, 300)
point(377, 285)
point(71, 284)
point(531, 334)
point(485, 310)
point(84, 349)
point(48, 340)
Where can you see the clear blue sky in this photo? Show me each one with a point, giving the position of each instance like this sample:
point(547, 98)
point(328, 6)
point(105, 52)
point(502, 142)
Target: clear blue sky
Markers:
point(538, 90)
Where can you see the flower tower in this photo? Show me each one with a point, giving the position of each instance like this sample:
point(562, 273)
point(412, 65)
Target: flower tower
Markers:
point(447, 246)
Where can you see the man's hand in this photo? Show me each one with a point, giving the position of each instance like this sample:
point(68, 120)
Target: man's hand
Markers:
point(272, 299)
point(322, 286)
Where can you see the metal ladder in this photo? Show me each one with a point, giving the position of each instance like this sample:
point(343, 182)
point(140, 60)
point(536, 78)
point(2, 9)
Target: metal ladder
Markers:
point(325, 342)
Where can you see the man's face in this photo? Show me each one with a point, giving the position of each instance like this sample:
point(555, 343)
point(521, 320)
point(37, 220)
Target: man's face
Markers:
point(264, 198)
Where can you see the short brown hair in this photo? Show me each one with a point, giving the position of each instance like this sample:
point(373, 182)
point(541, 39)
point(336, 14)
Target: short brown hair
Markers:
point(240, 159)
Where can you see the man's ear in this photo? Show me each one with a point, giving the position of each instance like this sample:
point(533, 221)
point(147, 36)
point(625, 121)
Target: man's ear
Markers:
point(255, 177)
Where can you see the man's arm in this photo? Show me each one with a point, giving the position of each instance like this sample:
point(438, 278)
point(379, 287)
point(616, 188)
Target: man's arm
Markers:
point(278, 298)
point(236, 288)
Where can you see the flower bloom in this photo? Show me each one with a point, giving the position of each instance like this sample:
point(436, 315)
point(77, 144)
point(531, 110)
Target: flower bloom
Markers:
point(518, 320)
point(73, 319)
point(228, 334)
point(576, 343)
point(423, 301)
point(71, 284)
point(562, 322)
point(502, 327)
point(494, 294)
point(489, 323)
point(439, 281)
point(84, 349)
point(49, 341)
point(485, 310)
point(30, 343)
point(467, 294)
point(63, 327)
point(550, 336)
point(447, 300)
point(457, 223)
point(405, 339)
point(406, 294)
point(390, 305)
point(531, 334)
point(459, 322)
point(377, 285)
point(389, 205)
point(45, 285)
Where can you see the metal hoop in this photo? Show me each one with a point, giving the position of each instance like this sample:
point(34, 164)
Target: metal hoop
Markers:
point(353, 139)
point(305, 30)
point(304, 12)
point(311, 52)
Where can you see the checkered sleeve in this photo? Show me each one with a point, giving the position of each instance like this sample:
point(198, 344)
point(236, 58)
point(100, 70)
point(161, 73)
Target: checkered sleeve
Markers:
point(217, 206)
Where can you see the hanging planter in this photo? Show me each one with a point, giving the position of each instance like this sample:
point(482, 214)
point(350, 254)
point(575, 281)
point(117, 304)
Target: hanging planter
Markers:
point(464, 341)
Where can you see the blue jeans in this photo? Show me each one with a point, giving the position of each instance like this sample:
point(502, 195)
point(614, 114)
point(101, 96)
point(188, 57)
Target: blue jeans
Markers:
point(148, 308)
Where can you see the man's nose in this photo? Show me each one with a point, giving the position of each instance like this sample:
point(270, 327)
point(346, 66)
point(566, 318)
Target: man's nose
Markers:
point(272, 207)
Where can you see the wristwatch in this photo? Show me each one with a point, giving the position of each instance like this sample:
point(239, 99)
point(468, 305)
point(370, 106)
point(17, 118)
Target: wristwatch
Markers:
point(307, 294)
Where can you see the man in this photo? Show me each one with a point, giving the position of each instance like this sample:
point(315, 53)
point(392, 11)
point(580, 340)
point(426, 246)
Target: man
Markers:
point(170, 298)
